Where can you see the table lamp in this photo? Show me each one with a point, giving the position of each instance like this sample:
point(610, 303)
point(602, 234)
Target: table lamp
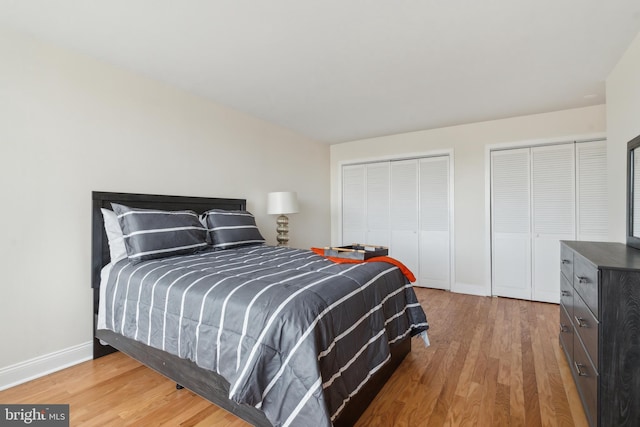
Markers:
point(282, 203)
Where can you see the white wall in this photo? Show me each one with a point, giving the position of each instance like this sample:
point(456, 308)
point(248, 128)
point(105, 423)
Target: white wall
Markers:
point(70, 125)
point(623, 124)
point(468, 143)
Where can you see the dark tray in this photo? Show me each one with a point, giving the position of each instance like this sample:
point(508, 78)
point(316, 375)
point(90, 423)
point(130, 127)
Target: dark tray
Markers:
point(356, 251)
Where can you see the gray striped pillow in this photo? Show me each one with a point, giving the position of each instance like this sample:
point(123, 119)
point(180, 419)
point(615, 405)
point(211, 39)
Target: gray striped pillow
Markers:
point(229, 229)
point(151, 233)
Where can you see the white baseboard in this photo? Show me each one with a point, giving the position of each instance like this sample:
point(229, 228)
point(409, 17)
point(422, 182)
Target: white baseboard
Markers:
point(466, 288)
point(43, 365)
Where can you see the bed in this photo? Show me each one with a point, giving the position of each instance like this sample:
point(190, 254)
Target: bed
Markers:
point(252, 395)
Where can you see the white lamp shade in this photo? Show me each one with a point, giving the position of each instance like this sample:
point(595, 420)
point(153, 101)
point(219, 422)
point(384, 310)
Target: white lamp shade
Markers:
point(282, 202)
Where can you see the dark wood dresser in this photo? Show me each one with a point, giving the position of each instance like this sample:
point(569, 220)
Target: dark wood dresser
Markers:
point(600, 328)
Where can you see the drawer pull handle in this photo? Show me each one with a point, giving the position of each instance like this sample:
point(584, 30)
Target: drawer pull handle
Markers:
point(581, 322)
point(565, 293)
point(582, 279)
point(566, 261)
point(579, 367)
point(563, 328)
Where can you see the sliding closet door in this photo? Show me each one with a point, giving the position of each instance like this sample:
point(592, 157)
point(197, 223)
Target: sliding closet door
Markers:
point(404, 213)
point(568, 192)
point(404, 205)
point(434, 236)
point(365, 204)
point(353, 204)
point(511, 223)
point(377, 212)
point(592, 193)
point(553, 219)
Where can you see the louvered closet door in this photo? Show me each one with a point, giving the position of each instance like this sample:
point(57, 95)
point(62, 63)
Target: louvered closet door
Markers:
point(553, 208)
point(404, 213)
point(511, 223)
point(353, 204)
point(434, 223)
point(377, 212)
point(592, 194)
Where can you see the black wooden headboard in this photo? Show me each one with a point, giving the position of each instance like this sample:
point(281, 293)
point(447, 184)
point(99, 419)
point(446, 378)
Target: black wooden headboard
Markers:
point(99, 243)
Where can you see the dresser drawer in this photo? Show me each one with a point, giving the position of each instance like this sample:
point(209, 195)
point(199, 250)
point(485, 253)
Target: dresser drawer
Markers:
point(566, 295)
point(586, 380)
point(587, 326)
point(566, 262)
point(585, 282)
point(566, 333)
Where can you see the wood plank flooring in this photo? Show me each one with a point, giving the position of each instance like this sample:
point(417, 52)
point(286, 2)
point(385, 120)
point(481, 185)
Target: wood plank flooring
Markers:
point(492, 362)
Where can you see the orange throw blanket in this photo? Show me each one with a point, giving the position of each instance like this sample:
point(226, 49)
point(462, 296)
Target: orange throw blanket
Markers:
point(403, 268)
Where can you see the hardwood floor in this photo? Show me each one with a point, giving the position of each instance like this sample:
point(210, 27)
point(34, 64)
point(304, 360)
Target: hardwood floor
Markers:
point(492, 362)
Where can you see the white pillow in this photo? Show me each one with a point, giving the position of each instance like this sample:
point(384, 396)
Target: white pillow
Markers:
point(117, 250)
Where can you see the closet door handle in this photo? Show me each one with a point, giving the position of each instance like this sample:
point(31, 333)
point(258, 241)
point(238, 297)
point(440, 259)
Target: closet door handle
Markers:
point(582, 279)
point(566, 261)
point(563, 328)
point(565, 293)
point(581, 322)
point(579, 367)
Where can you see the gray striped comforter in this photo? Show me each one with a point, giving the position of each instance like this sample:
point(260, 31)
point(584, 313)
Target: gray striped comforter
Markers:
point(294, 334)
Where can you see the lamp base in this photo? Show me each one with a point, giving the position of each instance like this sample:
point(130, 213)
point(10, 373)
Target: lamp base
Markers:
point(283, 230)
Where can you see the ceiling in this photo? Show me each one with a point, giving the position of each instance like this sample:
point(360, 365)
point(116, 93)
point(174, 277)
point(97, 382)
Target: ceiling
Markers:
point(341, 70)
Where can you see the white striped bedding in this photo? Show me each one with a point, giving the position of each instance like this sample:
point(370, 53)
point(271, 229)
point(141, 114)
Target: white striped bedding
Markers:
point(294, 334)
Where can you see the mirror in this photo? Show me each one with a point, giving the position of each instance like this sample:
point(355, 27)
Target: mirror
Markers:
point(633, 197)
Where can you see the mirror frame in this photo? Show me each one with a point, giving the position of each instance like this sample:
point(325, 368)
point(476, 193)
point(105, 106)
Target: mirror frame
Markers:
point(632, 241)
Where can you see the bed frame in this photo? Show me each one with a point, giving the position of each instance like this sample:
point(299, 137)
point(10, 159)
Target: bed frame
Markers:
point(186, 373)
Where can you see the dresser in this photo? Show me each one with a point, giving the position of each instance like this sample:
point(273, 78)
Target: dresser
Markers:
point(600, 328)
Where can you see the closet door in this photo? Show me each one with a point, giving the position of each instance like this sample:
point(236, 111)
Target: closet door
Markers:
point(553, 215)
point(404, 213)
point(377, 212)
point(511, 223)
point(353, 204)
point(434, 270)
point(592, 194)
